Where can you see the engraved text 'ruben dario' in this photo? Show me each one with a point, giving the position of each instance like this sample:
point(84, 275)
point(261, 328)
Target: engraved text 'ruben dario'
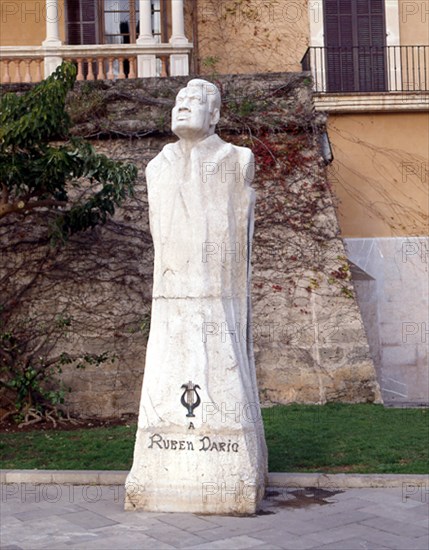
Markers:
point(157, 441)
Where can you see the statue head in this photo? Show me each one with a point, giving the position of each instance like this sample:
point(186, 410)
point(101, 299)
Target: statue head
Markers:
point(197, 110)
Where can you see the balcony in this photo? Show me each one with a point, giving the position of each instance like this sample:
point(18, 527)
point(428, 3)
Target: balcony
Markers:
point(370, 78)
point(148, 57)
point(95, 62)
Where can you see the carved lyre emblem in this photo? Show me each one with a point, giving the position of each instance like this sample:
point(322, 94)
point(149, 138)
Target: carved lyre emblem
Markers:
point(190, 398)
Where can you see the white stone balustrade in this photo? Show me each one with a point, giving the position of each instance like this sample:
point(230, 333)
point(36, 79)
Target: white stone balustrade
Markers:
point(101, 62)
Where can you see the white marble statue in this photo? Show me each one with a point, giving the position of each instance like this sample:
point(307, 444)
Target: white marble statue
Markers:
point(200, 443)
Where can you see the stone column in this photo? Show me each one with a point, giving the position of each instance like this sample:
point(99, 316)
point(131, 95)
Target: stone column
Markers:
point(52, 40)
point(146, 63)
point(179, 63)
point(145, 36)
point(178, 23)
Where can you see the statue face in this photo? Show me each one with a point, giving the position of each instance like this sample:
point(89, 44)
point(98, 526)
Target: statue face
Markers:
point(193, 116)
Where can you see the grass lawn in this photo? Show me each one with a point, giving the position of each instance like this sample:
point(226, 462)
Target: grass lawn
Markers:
point(332, 438)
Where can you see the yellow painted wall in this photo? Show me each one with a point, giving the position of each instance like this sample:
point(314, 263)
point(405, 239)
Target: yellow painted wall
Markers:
point(23, 22)
point(380, 173)
point(414, 22)
point(242, 36)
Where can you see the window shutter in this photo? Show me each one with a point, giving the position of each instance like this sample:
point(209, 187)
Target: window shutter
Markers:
point(355, 40)
point(81, 22)
point(338, 42)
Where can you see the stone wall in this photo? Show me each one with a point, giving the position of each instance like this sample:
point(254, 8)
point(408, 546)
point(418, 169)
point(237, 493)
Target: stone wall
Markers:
point(310, 344)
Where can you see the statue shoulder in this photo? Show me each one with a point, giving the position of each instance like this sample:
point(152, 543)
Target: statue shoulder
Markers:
point(155, 165)
point(243, 152)
point(247, 162)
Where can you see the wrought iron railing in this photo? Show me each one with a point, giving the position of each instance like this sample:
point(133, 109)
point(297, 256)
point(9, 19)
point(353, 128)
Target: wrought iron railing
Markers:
point(368, 69)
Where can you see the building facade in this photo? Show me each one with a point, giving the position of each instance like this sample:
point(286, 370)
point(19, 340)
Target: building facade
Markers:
point(369, 60)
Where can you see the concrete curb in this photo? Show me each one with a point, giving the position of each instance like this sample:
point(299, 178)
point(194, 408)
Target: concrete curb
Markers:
point(345, 481)
point(71, 477)
point(290, 481)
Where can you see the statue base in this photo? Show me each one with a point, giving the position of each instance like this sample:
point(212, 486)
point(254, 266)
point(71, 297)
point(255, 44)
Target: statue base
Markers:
point(221, 472)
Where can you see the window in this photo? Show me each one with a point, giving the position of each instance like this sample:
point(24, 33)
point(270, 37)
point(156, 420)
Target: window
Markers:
point(82, 24)
point(120, 19)
point(111, 21)
point(355, 40)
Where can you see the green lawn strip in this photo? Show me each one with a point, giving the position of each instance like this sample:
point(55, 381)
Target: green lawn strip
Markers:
point(347, 438)
point(86, 449)
point(301, 438)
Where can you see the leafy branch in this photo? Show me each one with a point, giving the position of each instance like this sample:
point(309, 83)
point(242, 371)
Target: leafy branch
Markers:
point(71, 180)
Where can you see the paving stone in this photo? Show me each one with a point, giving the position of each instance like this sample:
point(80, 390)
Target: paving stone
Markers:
point(233, 526)
point(420, 495)
point(265, 546)
point(81, 538)
point(123, 542)
point(222, 531)
point(395, 497)
point(389, 540)
point(23, 493)
point(176, 537)
point(354, 544)
point(59, 509)
point(424, 522)
point(92, 495)
point(189, 522)
point(397, 527)
point(334, 508)
point(143, 520)
point(284, 539)
point(421, 543)
point(89, 520)
point(233, 543)
point(393, 512)
point(39, 533)
point(35, 513)
point(104, 508)
point(421, 510)
point(297, 525)
point(329, 522)
point(11, 508)
point(235, 522)
point(299, 543)
point(341, 533)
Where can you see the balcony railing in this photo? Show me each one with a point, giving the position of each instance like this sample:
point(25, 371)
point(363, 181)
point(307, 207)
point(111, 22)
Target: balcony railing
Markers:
point(368, 69)
point(94, 62)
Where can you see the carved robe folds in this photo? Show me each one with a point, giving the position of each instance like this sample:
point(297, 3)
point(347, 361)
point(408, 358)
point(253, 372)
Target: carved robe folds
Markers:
point(200, 443)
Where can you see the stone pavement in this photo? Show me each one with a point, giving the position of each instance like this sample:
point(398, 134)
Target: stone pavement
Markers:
point(92, 517)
